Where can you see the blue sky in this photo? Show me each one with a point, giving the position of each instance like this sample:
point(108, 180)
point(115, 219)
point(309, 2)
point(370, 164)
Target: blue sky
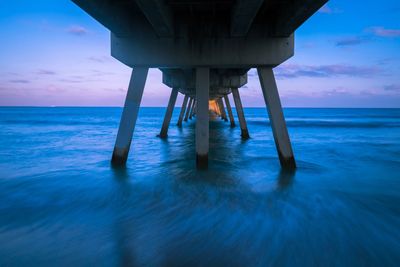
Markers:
point(54, 54)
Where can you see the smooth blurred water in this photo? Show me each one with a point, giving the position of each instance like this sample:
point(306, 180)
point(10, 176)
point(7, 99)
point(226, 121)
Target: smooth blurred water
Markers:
point(61, 204)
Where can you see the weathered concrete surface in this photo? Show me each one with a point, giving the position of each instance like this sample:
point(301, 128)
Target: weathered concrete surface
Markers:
point(202, 120)
point(159, 15)
point(183, 109)
point(129, 116)
point(276, 117)
point(240, 114)
point(208, 52)
point(221, 80)
point(229, 108)
point(168, 113)
point(243, 14)
point(240, 18)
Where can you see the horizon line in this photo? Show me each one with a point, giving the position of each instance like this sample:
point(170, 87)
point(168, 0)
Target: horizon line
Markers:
point(290, 107)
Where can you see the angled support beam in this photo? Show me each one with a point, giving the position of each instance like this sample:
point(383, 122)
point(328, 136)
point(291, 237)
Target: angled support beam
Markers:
point(159, 15)
point(222, 108)
point(243, 14)
point(229, 108)
point(193, 108)
point(276, 117)
point(168, 113)
point(188, 109)
point(296, 14)
point(240, 113)
point(183, 109)
point(202, 121)
point(129, 116)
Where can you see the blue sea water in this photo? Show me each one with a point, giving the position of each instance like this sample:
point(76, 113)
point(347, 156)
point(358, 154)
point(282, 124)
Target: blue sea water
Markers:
point(61, 203)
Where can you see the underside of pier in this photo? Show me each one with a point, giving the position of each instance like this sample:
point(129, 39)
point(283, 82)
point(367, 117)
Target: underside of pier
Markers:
point(204, 49)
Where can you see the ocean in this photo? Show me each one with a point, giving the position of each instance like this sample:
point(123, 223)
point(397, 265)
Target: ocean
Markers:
point(62, 204)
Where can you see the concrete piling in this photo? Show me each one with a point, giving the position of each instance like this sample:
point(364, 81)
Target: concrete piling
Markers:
point(193, 108)
point(168, 113)
point(188, 108)
point(129, 116)
point(222, 108)
point(229, 108)
point(202, 121)
point(276, 117)
point(240, 114)
point(183, 109)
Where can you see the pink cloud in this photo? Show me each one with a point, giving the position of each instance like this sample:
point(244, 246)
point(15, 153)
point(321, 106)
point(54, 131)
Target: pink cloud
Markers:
point(77, 30)
point(321, 71)
point(383, 32)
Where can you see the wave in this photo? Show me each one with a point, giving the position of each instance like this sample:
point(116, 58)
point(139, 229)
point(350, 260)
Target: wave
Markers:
point(335, 124)
point(57, 123)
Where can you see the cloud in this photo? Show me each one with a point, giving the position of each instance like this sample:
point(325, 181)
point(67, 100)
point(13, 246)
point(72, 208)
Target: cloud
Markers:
point(326, 9)
point(383, 32)
point(45, 72)
point(392, 87)
point(296, 71)
point(351, 41)
point(19, 81)
point(100, 59)
point(77, 30)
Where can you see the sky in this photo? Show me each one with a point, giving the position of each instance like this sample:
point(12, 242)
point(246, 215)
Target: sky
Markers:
point(53, 54)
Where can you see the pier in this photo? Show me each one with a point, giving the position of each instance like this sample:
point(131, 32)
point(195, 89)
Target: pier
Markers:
point(204, 50)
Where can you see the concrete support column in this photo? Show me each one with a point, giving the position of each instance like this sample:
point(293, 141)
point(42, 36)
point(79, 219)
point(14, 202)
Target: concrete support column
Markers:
point(222, 108)
point(276, 117)
point(202, 122)
point(240, 113)
point(193, 108)
point(183, 109)
point(218, 108)
point(129, 116)
point(168, 113)
point(229, 108)
point(188, 108)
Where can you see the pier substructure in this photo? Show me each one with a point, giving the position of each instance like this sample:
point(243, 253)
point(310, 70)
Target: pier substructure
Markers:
point(222, 108)
point(168, 113)
point(240, 113)
point(202, 121)
point(189, 107)
point(229, 108)
point(129, 116)
point(276, 117)
point(206, 54)
point(183, 109)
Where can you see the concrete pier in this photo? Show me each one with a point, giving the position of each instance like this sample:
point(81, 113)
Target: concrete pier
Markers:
point(183, 109)
point(202, 121)
point(204, 50)
point(222, 108)
point(229, 108)
point(129, 116)
point(240, 113)
point(189, 108)
point(276, 117)
point(168, 113)
point(193, 109)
